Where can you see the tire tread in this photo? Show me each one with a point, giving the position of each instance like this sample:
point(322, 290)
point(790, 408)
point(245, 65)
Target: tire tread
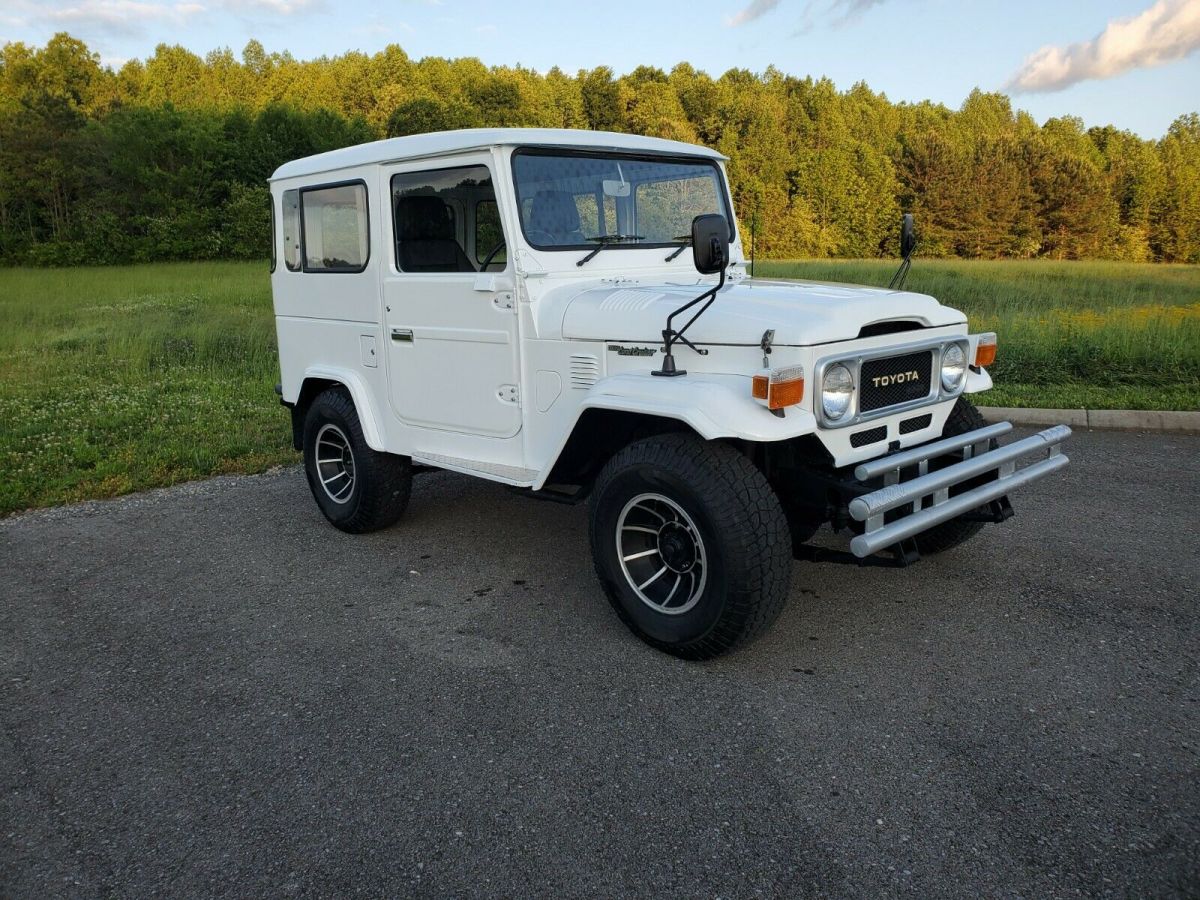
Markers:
point(386, 478)
point(757, 539)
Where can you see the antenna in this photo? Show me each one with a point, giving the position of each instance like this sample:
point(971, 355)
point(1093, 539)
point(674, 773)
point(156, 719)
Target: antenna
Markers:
point(753, 235)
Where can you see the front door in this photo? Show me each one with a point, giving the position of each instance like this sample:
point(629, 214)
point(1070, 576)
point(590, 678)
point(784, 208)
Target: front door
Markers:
point(451, 324)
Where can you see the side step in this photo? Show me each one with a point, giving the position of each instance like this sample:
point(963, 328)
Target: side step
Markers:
point(514, 475)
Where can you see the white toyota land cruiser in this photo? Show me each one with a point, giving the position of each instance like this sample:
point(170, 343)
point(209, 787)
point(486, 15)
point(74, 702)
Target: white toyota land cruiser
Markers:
point(518, 305)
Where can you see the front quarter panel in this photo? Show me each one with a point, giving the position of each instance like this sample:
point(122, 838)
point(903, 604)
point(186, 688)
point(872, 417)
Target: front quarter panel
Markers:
point(713, 405)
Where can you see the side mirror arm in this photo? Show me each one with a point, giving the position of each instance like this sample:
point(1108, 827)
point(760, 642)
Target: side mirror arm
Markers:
point(671, 336)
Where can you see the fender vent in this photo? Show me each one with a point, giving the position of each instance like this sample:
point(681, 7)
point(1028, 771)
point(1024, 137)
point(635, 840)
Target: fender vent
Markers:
point(585, 371)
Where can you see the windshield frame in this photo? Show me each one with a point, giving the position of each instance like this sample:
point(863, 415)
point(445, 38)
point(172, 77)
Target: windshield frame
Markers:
point(619, 155)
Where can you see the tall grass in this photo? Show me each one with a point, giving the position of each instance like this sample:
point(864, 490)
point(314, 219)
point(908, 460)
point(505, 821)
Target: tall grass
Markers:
point(118, 379)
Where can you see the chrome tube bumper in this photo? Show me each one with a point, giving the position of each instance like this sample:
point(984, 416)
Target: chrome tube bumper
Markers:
point(928, 494)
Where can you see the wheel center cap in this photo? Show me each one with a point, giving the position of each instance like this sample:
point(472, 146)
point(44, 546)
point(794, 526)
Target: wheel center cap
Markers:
point(677, 548)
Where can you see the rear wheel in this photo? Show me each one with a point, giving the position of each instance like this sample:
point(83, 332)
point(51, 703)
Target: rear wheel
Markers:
point(357, 488)
point(690, 544)
point(963, 418)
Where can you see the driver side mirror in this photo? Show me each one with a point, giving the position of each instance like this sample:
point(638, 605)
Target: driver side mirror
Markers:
point(908, 240)
point(710, 243)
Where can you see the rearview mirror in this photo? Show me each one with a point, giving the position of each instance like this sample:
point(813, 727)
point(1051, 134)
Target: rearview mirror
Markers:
point(908, 240)
point(710, 243)
point(615, 188)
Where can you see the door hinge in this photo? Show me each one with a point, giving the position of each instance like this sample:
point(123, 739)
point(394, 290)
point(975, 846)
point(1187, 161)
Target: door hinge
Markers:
point(503, 301)
point(509, 393)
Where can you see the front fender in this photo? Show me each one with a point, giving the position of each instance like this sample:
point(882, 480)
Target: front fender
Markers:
point(977, 381)
point(714, 406)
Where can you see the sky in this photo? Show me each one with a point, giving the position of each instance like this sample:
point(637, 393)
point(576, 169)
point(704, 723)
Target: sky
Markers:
point(1131, 63)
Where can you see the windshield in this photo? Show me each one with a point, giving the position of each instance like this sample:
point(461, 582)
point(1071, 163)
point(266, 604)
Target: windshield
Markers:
point(580, 200)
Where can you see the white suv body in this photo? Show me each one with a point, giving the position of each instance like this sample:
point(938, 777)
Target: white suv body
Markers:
point(493, 302)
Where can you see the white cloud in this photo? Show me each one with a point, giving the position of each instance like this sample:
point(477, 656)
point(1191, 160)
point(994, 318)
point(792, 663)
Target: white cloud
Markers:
point(848, 9)
point(274, 7)
point(840, 11)
point(1167, 31)
point(118, 16)
point(756, 9)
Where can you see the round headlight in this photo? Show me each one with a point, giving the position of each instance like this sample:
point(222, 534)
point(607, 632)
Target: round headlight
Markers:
point(837, 389)
point(954, 367)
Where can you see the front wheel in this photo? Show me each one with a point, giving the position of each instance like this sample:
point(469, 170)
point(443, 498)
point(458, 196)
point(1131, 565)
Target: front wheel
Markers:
point(690, 544)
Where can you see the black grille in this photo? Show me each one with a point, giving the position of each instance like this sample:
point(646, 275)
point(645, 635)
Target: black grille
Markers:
point(908, 426)
point(897, 379)
point(870, 436)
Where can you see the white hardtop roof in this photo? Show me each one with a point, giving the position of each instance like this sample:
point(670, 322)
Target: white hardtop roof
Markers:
point(439, 143)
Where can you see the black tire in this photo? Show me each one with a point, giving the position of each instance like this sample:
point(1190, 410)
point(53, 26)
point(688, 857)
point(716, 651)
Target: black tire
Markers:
point(963, 418)
point(743, 539)
point(378, 486)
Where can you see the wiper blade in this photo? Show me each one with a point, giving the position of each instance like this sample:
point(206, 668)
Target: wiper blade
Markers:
point(607, 240)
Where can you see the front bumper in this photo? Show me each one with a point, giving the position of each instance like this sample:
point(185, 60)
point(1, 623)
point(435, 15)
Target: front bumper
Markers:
point(916, 496)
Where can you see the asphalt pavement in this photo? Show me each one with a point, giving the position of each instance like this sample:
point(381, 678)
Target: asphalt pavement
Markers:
point(209, 691)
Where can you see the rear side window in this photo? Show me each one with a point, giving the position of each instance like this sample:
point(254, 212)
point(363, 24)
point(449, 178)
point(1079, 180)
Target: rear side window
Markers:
point(274, 237)
point(334, 228)
point(291, 230)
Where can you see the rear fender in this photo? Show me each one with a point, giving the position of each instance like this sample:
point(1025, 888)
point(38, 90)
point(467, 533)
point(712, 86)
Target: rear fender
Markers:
point(359, 393)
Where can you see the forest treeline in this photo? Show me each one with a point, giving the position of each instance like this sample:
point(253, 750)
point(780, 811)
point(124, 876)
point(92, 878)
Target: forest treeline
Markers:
point(167, 158)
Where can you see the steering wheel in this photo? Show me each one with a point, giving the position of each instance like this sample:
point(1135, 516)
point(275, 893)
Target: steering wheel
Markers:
point(488, 259)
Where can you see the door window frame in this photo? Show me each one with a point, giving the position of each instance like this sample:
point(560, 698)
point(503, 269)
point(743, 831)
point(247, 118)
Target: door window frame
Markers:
point(414, 167)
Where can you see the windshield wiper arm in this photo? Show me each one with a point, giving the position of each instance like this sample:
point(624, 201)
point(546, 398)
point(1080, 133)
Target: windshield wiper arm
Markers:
point(687, 242)
point(607, 240)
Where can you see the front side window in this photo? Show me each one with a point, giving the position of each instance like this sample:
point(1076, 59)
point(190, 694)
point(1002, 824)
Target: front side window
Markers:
point(335, 228)
point(576, 200)
point(446, 220)
point(489, 236)
point(291, 230)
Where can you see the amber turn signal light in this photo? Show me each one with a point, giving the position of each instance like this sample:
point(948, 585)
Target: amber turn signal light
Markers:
point(780, 387)
point(985, 350)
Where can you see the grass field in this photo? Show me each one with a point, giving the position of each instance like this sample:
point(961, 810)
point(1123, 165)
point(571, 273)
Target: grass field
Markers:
point(1095, 335)
point(118, 379)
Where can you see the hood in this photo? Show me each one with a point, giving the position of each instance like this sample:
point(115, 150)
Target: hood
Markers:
point(800, 312)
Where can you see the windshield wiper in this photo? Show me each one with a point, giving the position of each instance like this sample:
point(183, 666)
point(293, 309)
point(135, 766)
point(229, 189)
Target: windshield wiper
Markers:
point(687, 242)
point(607, 240)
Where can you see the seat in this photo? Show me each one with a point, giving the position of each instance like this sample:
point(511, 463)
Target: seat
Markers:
point(554, 214)
point(425, 237)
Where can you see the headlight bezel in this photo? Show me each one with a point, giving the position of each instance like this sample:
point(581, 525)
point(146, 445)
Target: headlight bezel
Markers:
point(853, 363)
point(849, 390)
point(956, 385)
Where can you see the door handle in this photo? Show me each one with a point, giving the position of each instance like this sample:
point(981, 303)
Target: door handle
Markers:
point(402, 335)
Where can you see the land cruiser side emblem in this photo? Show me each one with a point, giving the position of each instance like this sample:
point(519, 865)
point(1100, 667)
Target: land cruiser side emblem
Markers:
point(897, 378)
point(632, 351)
